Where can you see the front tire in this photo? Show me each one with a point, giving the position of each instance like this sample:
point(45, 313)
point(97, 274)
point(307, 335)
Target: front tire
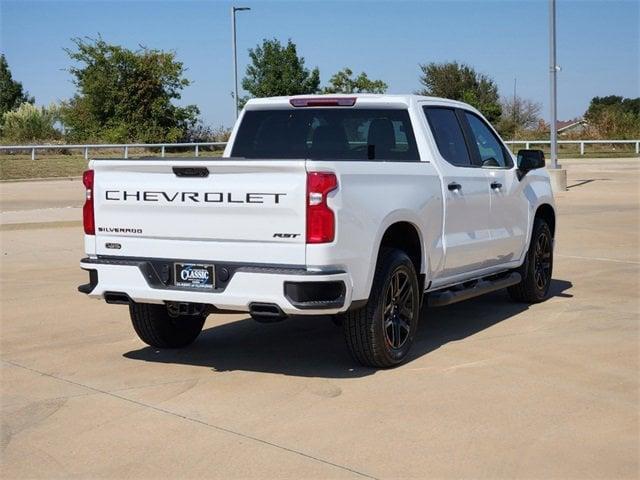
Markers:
point(537, 268)
point(157, 328)
point(380, 334)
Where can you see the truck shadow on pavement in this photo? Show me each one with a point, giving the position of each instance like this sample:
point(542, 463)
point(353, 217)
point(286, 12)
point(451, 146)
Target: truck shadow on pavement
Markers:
point(315, 347)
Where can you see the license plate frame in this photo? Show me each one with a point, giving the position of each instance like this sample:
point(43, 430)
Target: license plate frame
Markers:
point(195, 278)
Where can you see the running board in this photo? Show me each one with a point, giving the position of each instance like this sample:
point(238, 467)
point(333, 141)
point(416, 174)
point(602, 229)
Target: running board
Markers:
point(447, 297)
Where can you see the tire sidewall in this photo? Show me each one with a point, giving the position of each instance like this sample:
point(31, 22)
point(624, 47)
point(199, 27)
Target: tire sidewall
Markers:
point(540, 228)
point(157, 328)
point(398, 261)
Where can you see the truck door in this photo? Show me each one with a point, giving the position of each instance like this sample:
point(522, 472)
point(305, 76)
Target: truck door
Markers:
point(466, 237)
point(509, 207)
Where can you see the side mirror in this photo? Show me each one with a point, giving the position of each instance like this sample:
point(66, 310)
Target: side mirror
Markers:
point(530, 160)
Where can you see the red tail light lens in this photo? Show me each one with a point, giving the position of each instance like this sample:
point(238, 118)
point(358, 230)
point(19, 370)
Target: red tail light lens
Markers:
point(321, 222)
point(88, 219)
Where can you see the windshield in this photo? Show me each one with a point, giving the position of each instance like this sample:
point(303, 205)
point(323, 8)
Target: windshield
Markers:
point(327, 133)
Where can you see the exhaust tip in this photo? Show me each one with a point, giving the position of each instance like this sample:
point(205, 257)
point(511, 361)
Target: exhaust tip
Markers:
point(266, 312)
point(117, 298)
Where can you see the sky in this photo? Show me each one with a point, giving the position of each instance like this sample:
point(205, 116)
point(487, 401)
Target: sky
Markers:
point(598, 43)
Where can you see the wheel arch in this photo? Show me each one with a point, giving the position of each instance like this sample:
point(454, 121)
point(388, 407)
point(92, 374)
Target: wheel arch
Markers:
point(546, 212)
point(405, 235)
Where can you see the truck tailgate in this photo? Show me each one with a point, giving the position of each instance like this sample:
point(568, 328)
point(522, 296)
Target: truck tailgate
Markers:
point(250, 211)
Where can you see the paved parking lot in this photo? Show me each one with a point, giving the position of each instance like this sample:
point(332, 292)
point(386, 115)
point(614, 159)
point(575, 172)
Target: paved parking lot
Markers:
point(493, 389)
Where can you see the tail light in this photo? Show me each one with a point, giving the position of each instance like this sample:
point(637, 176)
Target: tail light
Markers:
point(88, 219)
point(321, 222)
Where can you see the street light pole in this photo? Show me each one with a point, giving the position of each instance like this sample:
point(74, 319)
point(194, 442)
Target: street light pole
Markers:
point(557, 175)
point(553, 71)
point(235, 55)
point(515, 112)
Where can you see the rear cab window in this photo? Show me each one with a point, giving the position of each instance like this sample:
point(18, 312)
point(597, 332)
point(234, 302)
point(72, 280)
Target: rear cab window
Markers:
point(326, 133)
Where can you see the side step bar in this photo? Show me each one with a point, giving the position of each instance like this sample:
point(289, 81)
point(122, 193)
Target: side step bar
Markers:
point(447, 297)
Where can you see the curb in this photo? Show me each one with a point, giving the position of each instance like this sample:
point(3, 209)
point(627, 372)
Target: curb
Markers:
point(46, 179)
point(10, 227)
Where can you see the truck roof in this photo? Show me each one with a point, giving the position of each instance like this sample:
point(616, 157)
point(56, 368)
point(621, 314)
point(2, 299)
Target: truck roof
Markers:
point(362, 99)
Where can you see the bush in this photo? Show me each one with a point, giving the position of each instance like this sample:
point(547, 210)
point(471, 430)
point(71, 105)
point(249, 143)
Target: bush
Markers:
point(204, 133)
point(614, 117)
point(30, 124)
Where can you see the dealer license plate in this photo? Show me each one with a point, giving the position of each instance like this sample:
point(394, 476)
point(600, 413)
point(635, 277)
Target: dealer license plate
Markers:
point(194, 275)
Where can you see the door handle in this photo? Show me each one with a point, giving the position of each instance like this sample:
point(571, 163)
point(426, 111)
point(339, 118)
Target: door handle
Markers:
point(453, 186)
point(496, 185)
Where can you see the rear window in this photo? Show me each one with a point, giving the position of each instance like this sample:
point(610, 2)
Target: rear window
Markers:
point(326, 133)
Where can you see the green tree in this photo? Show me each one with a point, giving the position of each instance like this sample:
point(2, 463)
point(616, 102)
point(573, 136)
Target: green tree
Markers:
point(30, 124)
point(628, 105)
point(614, 117)
point(125, 95)
point(459, 81)
point(11, 93)
point(278, 70)
point(343, 82)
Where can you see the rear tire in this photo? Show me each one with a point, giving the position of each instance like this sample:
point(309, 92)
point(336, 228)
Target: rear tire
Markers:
point(157, 328)
point(537, 268)
point(380, 334)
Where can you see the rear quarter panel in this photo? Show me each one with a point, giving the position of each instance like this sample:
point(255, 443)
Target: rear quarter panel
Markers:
point(371, 196)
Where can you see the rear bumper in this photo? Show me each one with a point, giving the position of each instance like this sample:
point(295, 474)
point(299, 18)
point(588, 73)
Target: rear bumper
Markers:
point(295, 290)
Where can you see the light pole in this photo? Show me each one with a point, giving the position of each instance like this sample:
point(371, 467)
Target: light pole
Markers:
point(515, 113)
point(557, 175)
point(235, 55)
point(553, 71)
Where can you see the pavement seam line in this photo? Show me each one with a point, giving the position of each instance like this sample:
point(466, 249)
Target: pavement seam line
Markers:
point(193, 420)
point(600, 259)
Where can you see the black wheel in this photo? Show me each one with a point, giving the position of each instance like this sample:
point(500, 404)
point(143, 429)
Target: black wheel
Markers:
point(537, 268)
point(157, 328)
point(381, 333)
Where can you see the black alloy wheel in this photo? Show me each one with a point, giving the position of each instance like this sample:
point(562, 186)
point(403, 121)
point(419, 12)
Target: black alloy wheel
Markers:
point(398, 309)
point(542, 261)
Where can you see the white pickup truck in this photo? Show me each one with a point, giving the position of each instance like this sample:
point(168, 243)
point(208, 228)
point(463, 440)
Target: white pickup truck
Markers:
point(362, 207)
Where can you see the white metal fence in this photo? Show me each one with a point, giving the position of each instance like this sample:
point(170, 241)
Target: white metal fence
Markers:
point(113, 146)
point(582, 143)
point(197, 146)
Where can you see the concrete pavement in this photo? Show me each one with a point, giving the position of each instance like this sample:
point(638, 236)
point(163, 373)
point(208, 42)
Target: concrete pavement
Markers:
point(494, 389)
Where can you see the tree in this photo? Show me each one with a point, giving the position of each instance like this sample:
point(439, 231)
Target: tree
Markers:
point(518, 114)
point(343, 82)
point(459, 81)
point(627, 105)
point(201, 133)
point(125, 95)
point(614, 117)
point(11, 93)
point(29, 124)
point(278, 70)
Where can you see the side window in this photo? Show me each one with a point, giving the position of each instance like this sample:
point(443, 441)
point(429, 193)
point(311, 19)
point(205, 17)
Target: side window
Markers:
point(491, 151)
point(448, 134)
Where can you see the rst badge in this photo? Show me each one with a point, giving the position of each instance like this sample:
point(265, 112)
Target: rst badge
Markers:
point(194, 275)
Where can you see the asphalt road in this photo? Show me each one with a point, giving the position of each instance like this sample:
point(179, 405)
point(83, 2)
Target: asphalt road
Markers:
point(493, 389)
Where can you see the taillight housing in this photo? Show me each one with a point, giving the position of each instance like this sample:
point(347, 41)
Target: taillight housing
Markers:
point(321, 221)
point(88, 218)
